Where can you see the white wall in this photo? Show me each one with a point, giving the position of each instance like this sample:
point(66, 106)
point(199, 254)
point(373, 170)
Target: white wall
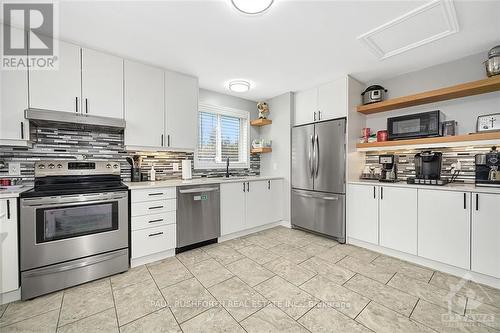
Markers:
point(215, 98)
point(277, 163)
point(464, 110)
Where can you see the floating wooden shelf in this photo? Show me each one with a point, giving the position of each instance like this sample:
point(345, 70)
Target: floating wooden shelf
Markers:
point(443, 141)
point(443, 94)
point(261, 122)
point(261, 150)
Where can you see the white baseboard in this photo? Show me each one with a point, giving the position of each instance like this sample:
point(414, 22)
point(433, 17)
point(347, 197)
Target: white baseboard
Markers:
point(152, 258)
point(476, 277)
point(10, 296)
point(252, 230)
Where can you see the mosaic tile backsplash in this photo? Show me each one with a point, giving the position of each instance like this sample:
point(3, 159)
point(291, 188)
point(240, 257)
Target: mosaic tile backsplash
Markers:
point(406, 163)
point(69, 144)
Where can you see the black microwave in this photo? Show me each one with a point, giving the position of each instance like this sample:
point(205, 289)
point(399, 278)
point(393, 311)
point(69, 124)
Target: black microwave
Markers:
point(418, 125)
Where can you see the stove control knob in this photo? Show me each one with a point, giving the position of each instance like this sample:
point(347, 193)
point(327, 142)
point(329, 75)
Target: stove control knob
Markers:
point(51, 166)
point(41, 166)
point(115, 166)
point(108, 166)
point(59, 166)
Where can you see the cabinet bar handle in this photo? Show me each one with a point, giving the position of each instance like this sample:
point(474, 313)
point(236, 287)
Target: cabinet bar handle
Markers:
point(465, 200)
point(268, 184)
point(159, 193)
point(243, 187)
point(248, 186)
point(319, 115)
point(76, 104)
point(168, 140)
point(314, 115)
point(86, 105)
point(8, 209)
point(381, 193)
point(162, 140)
point(156, 234)
point(22, 130)
point(156, 207)
point(374, 193)
point(477, 201)
point(155, 221)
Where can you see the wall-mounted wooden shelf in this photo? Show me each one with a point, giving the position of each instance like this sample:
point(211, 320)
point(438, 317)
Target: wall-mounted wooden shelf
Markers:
point(461, 90)
point(443, 141)
point(261, 122)
point(261, 150)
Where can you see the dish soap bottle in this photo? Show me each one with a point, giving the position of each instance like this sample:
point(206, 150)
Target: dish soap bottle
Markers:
point(152, 174)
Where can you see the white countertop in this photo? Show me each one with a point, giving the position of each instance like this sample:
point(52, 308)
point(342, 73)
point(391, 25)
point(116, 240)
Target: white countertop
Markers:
point(13, 193)
point(195, 181)
point(461, 187)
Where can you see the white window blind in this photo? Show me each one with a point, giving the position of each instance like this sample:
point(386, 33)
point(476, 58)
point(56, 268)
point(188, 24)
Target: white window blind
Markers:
point(222, 134)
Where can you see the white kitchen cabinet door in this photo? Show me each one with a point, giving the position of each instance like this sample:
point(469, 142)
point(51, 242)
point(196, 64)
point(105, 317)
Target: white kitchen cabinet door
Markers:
point(332, 100)
point(444, 226)
point(102, 84)
point(144, 105)
point(257, 206)
point(306, 106)
point(13, 100)
point(181, 104)
point(232, 201)
point(486, 234)
point(398, 219)
point(275, 188)
point(362, 213)
point(58, 89)
point(9, 268)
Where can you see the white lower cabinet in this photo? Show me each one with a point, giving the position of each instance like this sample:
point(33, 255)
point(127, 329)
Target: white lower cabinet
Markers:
point(398, 218)
point(486, 234)
point(153, 221)
point(362, 213)
point(9, 267)
point(444, 226)
point(246, 205)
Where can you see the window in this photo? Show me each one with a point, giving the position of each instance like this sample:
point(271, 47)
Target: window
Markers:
point(222, 133)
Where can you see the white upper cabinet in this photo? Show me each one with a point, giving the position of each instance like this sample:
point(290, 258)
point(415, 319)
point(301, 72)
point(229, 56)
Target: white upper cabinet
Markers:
point(398, 232)
point(362, 213)
point(144, 105)
point(181, 103)
point(444, 226)
point(486, 234)
point(102, 84)
point(332, 100)
point(328, 101)
point(60, 89)
point(13, 102)
point(306, 106)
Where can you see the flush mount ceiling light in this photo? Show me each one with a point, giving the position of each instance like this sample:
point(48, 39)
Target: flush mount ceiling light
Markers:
point(252, 6)
point(239, 86)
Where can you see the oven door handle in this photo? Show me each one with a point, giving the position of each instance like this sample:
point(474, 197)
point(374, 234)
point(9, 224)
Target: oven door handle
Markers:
point(40, 203)
point(65, 267)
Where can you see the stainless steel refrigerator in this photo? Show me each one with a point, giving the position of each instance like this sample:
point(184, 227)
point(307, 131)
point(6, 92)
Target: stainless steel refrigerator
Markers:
point(318, 177)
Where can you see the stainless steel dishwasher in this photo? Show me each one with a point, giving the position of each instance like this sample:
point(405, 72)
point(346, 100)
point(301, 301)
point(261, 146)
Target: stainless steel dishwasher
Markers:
point(198, 215)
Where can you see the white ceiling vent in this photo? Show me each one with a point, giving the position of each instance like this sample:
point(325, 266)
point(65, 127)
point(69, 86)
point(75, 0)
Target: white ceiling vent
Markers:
point(422, 25)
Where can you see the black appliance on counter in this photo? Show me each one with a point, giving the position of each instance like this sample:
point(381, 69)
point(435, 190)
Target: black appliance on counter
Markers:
point(428, 169)
point(487, 168)
point(389, 172)
point(418, 125)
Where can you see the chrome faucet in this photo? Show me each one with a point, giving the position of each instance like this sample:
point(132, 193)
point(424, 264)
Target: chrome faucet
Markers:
point(227, 167)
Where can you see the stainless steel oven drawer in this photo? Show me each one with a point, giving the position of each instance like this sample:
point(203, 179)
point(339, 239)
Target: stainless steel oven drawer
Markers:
point(44, 280)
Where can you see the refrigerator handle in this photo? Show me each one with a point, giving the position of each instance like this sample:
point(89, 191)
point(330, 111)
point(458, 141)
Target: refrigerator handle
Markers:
point(316, 155)
point(311, 152)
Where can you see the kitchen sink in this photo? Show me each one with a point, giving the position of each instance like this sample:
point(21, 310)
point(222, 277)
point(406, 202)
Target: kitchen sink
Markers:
point(232, 178)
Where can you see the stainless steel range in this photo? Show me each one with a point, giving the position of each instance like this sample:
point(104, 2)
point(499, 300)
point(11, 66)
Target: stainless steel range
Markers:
point(74, 226)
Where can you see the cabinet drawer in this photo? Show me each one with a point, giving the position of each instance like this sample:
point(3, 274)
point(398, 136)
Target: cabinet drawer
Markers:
point(153, 207)
point(153, 220)
point(153, 240)
point(153, 194)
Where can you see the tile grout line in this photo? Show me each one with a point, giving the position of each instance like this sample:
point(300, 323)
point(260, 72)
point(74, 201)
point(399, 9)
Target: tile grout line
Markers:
point(430, 279)
point(60, 310)
point(414, 307)
point(363, 309)
point(392, 277)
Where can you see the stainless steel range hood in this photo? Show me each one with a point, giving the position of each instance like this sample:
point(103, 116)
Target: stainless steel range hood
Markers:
point(73, 120)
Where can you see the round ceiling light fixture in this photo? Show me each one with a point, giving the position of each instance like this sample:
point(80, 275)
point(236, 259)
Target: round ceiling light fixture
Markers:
point(252, 7)
point(239, 86)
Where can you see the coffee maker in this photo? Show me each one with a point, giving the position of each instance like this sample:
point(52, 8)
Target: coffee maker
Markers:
point(487, 168)
point(428, 166)
point(389, 172)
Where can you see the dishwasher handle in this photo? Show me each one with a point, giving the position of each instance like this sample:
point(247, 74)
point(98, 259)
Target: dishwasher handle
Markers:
point(198, 190)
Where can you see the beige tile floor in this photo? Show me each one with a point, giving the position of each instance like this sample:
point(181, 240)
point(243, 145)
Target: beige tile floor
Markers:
point(277, 280)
